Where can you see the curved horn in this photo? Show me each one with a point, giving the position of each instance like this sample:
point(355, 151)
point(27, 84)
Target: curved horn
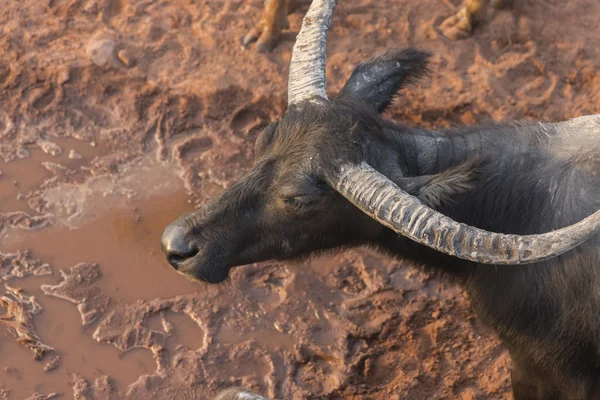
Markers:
point(381, 199)
point(307, 68)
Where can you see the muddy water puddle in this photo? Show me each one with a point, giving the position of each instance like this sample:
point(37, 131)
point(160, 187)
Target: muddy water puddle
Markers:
point(20, 176)
point(186, 332)
point(59, 325)
point(124, 241)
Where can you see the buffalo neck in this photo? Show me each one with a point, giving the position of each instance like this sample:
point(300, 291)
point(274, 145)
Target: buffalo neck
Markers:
point(425, 152)
point(514, 190)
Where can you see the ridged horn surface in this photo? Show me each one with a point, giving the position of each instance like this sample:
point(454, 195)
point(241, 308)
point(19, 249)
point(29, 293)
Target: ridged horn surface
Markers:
point(307, 67)
point(381, 199)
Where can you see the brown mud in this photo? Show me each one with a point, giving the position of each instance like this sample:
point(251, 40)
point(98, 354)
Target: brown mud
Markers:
point(118, 115)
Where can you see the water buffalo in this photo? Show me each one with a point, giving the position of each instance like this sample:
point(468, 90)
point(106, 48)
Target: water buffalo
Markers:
point(274, 18)
point(510, 211)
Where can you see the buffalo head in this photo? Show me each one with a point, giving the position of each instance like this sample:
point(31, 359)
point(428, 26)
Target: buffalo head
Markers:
point(329, 175)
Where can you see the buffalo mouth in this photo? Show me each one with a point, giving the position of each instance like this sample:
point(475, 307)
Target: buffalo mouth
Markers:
point(199, 270)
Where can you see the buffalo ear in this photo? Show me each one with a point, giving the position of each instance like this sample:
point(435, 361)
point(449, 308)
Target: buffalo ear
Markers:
point(379, 79)
point(441, 189)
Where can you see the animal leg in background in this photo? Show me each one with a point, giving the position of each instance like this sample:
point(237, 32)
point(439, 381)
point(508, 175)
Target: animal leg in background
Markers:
point(274, 18)
point(267, 31)
point(460, 25)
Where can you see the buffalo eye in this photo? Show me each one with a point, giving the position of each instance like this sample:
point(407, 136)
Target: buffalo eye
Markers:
point(301, 194)
point(299, 206)
point(299, 201)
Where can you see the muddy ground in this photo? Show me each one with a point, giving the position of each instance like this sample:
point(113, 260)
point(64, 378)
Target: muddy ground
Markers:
point(118, 115)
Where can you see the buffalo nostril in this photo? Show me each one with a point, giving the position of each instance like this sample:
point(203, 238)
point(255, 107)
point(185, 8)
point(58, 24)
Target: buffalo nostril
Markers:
point(177, 246)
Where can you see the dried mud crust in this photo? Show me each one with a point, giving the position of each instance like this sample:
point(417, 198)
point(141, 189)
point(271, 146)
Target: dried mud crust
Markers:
point(18, 318)
point(169, 81)
point(21, 265)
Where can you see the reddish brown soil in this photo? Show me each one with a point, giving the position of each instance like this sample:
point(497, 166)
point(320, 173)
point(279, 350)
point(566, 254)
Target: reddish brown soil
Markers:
point(177, 96)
